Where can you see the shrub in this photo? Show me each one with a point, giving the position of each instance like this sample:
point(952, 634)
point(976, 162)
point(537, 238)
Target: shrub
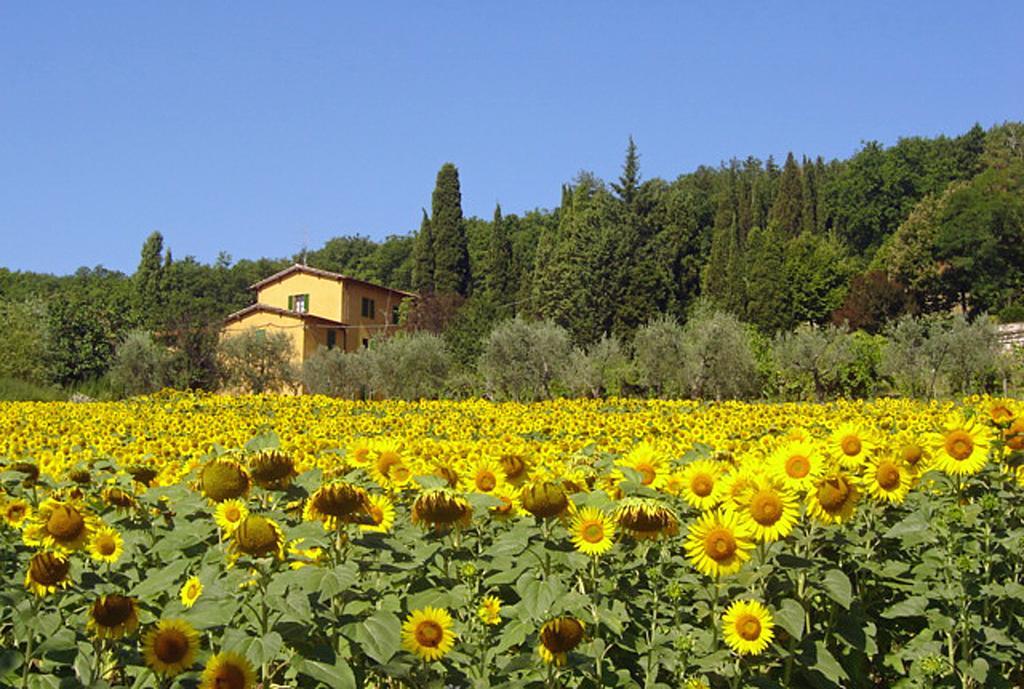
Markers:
point(718, 356)
point(809, 361)
point(658, 351)
point(598, 371)
point(23, 341)
point(141, 366)
point(410, 366)
point(335, 373)
point(522, 360)
point(257, 361)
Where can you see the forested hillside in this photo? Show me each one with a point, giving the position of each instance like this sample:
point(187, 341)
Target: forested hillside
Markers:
point(921, 226)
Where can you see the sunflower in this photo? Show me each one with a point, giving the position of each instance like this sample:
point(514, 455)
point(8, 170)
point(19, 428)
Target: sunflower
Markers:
point(797, 464)
point(272, 469)
point(113, 616)
point(387, 467)
point(851, 443)
point(484, 476)
point(381, 512)
point(441, 508)
point(230, 513)
point(61, 525)
point(886, 479)
point(258, 536)
point(558, 637)
point(224, 479)
point(771, 511)
point(15, 511)
point(961, 447)
point(913, 453)
point(336, 503)
point(228, 670)
point(141, 474)
point(516, 466)
point(47, 572)
point(106, 545)
point(428, 633)
point(118, 499)
point(645, 518)
point(544, 499)
point(1013, 435)
point(510, 505)
point(190, 591)
point(719, 543)
point(833, 498)
point(700, 485)
point(490, 610)
point(302, 557)
point(648, 462)
point(592, 531)
point(748, 627)
point(170, 647)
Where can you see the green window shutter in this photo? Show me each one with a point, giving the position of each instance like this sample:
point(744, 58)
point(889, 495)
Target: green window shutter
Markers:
point(291, 303)
point(307, 302)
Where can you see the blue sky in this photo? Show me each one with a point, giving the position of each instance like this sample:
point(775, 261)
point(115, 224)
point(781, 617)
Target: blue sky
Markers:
point(253, 127)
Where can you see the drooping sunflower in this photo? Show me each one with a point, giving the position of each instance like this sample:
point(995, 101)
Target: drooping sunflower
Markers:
point(771, 510)
point(15, 512)
point(119, 499)
point(1013, 435)
point(887, 479)
point(336, 504)
point(719, 543)
point(229, 514)
point(380, 511)
point(484, 475)
point(170, 647)
point(258, 536)
point(646, 460)
point(592, 531)
point(428, 633)
point(106, 545)
point(113, 616)
point(141, 473)
point(47, 572)
point(490, 610)
point(64, 525)
point(190, 591)
point(646, 518)
point(700, 485)
point(228, 670)
point(544, 499)
point(272, 469)
point(833, 497)
point(224, 479)
point(851, 443)
point(516, 466)
point(441, 508)
point(961, 447)
point(747, 627)
point(797, 464)
point(558, 637)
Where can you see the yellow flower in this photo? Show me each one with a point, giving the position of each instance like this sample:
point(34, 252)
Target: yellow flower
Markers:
point(441, 508)
point(648, 462)
point(258, 536)
point(228, 670)
point(106, 545)
point(47, 572)
point(190, 591)
point(272, 469)
point(645, 518)
point(170, 647)
point(381, 512)
point(961, 447)
point(336, 504)
point(485, 475)
point(428, 633)
point(592, 531)
point(15, 511)
point(747, 627)
point(700, 485)
point(558, 637)
point(490, 610)
point(303, 556)
point(833, 498)
point(770, 511)
point(61, 525)
point(886, 479)
point(718, 543)
point(230, 513)
point(113, 616)
point(387, 467)
point(797, 464)
point(851, 443)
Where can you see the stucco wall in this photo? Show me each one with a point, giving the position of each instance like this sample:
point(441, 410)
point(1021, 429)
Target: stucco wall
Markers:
point(383, 299)
point(324, 294)
point(293, 327)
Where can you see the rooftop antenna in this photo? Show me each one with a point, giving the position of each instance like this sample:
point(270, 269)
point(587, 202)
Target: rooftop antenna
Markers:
point(305, 244)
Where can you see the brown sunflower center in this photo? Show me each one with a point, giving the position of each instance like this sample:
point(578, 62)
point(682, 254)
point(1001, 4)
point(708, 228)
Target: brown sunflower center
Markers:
point(887, 476)
point(561, 635)
point(112, 611)
point(16, 512)
point(911, 454)
point(851, 445)
point(959, 444)
point(232, 513)
point(720, 544)
point(429, 633)
point(702, 485)
point(399, 473)
point(376, 514)
point(65, 523)
point(386, 461)
point(486, 482)
point(832, 493)
point(106, 545)
point(170, 646)
point(798, 466)
point(256, 536)
point(592, 532)
point(229, 676)
point(766, 507)
point(748, 627)
point(46, 569)
point(647, 472)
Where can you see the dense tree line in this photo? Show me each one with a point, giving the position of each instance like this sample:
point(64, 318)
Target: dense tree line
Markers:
point(922, 226)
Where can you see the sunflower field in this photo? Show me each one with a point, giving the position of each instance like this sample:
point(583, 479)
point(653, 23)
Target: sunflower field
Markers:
point(190, 540)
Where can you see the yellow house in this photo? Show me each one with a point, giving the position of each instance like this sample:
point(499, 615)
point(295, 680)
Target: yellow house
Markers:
point(318, 308)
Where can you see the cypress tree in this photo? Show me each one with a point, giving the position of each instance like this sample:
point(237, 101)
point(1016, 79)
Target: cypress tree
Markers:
point(500, 278)
point(423, 258)
point(788, 205)
point(767, 293)
point(543, 288)
point(451, 248)
point(629, 180)
point(809, 214)
point(149, 282)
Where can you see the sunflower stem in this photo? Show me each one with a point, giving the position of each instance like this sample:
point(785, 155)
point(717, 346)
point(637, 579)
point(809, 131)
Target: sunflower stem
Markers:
point(29, 645)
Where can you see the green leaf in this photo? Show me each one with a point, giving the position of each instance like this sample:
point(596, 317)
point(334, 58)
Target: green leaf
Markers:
point(911, 607)
point(264, 441)
point(826, 663)
point(790, 616)
point(837, 586)
point(380, 636)
point(337, 676)
point(338, 579)
point(162, 580)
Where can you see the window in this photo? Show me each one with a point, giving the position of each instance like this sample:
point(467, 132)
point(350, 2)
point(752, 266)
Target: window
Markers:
point(366, 343)
point(299, 303)
point(368, 308)
point(394, 315)
point(332, 339)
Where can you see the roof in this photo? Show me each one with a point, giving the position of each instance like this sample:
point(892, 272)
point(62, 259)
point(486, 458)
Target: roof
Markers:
point(264, 308)
point(298, 268)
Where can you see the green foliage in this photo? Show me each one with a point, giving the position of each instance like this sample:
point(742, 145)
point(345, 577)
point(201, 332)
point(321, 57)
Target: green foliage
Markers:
point(767, 304)
point(23, 340)
point(718, 357)
point(141, 366)
point(409, 366)
point(601, 370)
point(787, 209)
point(500, 276)
point(451, 253)
point(810, 361)
point(148, 282)
point(423, 258)
point(523, 360)
point(658, 352)
point(17, 390)
point(467, 333)
point(336, 373)
point(257, 361)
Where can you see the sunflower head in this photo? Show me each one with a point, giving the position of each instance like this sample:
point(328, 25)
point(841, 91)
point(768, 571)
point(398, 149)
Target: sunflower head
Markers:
point(141, 473)
point(719, 543)
point(113, 616)
point(106, 545)
point(490, 610)
point(47, 572)
point(258, 536)
point(29, 470)
point(228, 670)
point(337, 503)
point(223, 479)
point(272, 469)
point(81, 476)
point(833, 498)
point(229, 514)
point(544, 499)
point(428, 633)
point(645, 518)
point(60, 524)
point(441, 508)
point(190, 591)
point(15, 511)
point(117, 498)
point(558, 637)
point(747, 627)
point(170, 647)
